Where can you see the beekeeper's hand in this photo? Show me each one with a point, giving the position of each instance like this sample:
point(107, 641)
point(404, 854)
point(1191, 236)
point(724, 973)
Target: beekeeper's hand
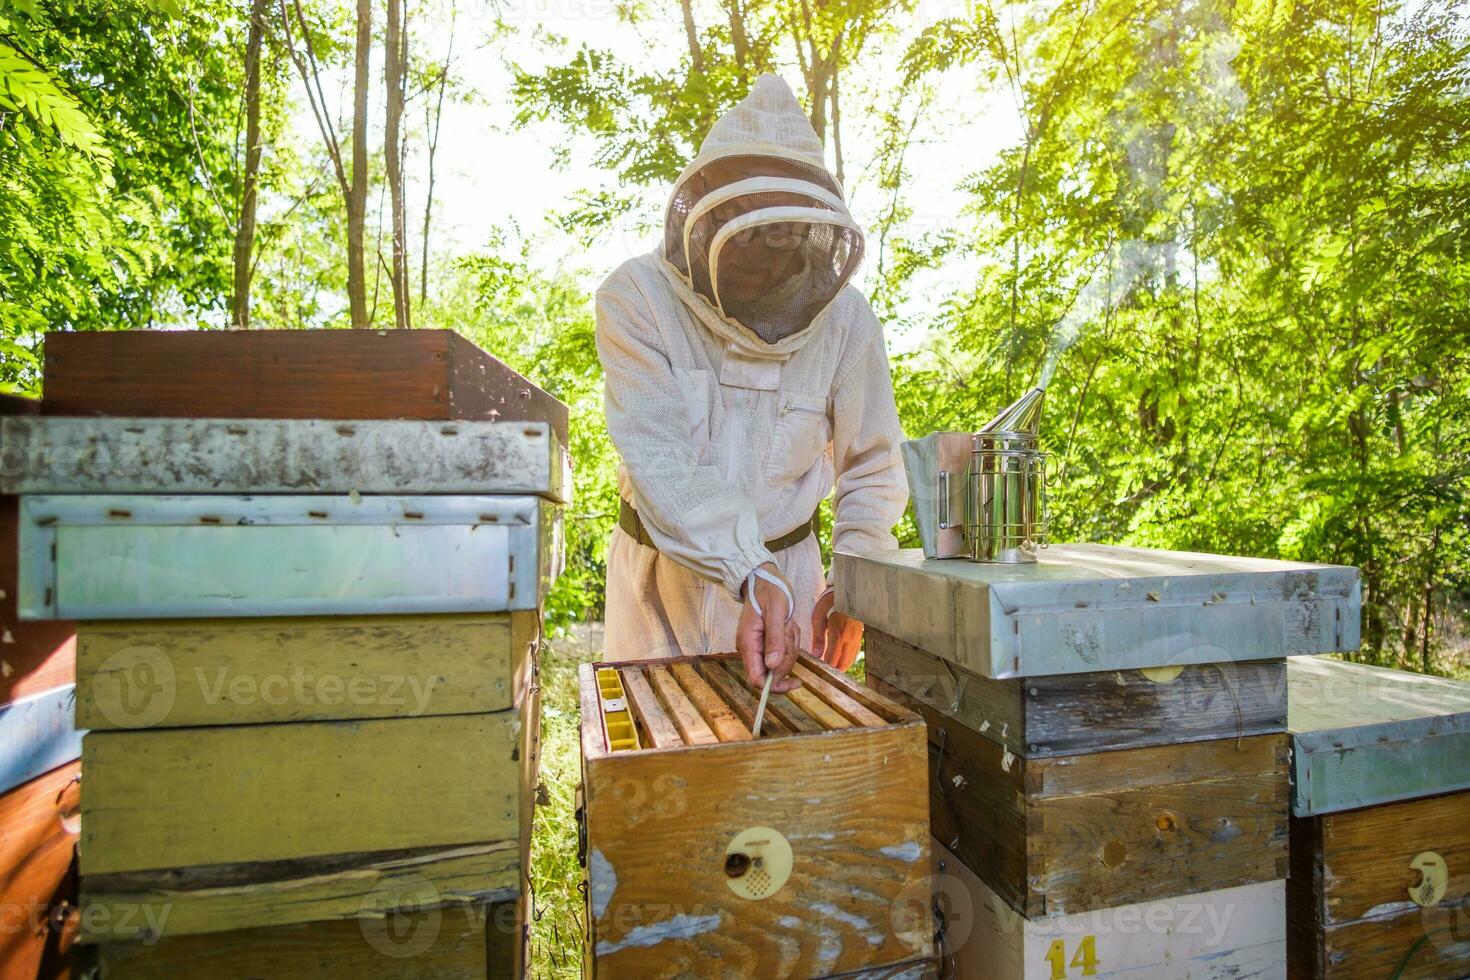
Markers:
point(766, 637)
point(836, 637)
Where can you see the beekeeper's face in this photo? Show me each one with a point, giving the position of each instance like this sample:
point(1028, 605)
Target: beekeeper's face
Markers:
point(763, 241)
point(761, 260)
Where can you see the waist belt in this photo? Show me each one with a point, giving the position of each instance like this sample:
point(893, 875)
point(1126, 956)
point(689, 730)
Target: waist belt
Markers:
point(632, 524)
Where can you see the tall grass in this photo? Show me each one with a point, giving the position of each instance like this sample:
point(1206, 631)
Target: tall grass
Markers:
point(557, 918)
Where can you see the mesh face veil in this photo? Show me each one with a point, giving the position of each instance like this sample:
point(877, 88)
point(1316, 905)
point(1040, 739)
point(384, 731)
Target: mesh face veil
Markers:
point(756, 225)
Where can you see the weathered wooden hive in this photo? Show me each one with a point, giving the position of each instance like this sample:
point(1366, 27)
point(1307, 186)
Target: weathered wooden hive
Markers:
point(39, 772)
point(803, 853)
point(1380, 826)
point(308, 646)
point(1107, 738)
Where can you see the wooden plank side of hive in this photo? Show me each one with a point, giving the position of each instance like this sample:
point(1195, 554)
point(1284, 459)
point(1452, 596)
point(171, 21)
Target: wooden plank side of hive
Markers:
point(1375, 862)
point(178, 798)
point(1110, 828)
point(977, 800)
point(992, 708)
point(851, 803)
point(1065, 714)
point(1304, 910)
point(142, 906)
point(249, 671)
point(1118, 709)
point(38, 836)
point(251, 374)
point(448, 942)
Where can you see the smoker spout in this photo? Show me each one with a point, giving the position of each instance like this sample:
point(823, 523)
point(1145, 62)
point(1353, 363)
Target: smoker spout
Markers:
point(1021, 416)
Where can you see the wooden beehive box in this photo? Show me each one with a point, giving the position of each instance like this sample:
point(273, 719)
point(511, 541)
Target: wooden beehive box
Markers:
point(38, 883)
point(1107, 724)
point(219, 829)
point(288, 374)
point(1380, 831)
point(709, 852)
point(139, 556)
point(1225, 934)
point(1067, 834)
point(170, 673)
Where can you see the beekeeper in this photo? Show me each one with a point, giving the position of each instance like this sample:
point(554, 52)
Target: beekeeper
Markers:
point(744, 375)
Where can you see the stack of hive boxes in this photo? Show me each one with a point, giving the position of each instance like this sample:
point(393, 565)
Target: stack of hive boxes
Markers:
point(39, 773)
point(1380, 826)
point(1110, 783)
point(307, 648)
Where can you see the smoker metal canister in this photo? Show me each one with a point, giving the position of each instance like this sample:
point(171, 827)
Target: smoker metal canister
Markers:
point(1005, 519)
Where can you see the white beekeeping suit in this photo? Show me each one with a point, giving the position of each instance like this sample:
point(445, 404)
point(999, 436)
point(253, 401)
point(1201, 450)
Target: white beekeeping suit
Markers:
point(743, 375)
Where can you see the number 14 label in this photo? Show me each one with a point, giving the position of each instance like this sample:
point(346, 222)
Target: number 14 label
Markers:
point(1085, 957)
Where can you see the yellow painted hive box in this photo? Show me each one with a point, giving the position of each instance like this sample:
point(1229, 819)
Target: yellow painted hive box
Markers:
point(710, 852)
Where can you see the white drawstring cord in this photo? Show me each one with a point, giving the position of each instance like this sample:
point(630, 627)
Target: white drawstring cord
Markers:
point(775, 580)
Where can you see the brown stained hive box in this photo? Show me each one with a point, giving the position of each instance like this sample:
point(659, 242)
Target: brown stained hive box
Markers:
point(713, 853)
point(288, 374)
point(1066, 834)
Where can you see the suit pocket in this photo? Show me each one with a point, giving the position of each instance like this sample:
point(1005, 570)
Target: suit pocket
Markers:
point(696, 388)
point(800, 439)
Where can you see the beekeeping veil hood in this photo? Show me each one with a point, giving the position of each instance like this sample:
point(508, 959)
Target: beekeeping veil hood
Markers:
point(757, 238)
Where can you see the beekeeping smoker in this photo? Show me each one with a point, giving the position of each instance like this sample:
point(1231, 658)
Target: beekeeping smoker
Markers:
point(744, 376)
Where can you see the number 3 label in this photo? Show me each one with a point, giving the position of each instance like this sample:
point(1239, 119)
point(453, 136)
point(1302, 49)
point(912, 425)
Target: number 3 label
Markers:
point(1085, 957)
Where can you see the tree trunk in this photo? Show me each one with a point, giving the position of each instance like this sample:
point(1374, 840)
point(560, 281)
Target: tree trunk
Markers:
point(395, 68)
point(357, 197)
point(691, 36)
point(432, 127)
point(837, 111)
point(1424, 650)
point(815, 69)
point(737, 37)
point(245, 227)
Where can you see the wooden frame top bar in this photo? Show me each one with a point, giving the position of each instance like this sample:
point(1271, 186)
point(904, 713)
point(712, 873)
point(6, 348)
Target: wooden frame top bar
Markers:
point(696, 702)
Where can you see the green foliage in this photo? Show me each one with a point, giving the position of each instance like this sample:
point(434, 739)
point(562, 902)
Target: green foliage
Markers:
point(118, 167)
point(27, 88)
point(1255, 223)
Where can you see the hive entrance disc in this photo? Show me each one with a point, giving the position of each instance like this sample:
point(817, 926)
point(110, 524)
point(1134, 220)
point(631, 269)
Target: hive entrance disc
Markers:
point(757, 863)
